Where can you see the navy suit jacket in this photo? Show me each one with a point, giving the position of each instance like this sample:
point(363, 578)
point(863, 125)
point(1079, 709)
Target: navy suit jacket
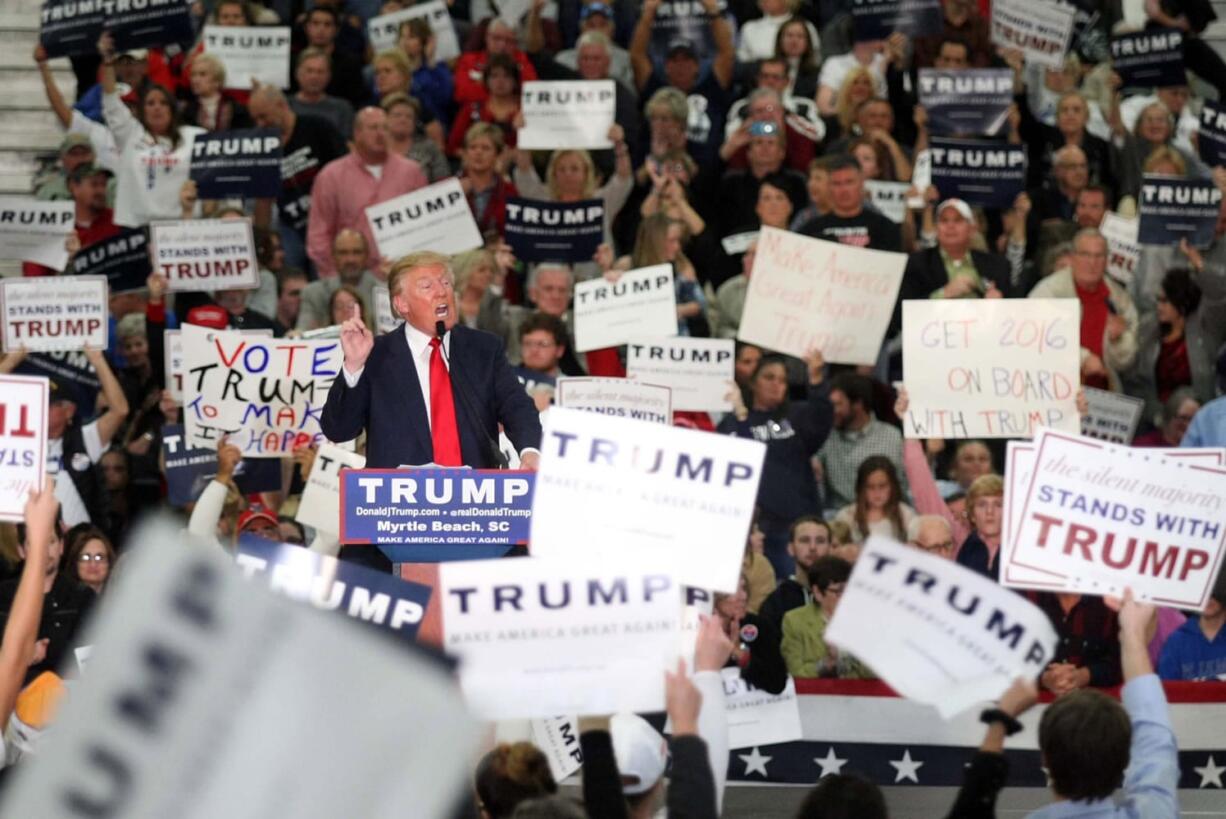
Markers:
point(387, 402)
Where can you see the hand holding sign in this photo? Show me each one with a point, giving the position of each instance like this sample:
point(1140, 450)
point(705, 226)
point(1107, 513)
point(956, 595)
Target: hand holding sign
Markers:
point(356, 341)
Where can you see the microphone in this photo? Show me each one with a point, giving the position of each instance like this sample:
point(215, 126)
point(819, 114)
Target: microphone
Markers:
point(440, 330)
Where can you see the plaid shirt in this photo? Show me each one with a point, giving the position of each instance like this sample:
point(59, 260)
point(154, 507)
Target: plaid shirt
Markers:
point(1089, 635)
point(846, 449)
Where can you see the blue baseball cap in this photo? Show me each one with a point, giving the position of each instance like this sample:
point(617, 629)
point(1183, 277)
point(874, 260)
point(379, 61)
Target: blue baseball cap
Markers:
point(596, 8)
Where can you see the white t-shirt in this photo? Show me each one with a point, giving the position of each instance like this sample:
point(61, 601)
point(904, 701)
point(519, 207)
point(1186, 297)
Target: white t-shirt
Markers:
point(72, 507)
point(836, 69)
point(151, 171)
point(104, 144)
point(757, 38)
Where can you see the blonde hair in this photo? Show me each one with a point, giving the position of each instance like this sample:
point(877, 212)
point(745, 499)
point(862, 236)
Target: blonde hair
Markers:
point(1165, 153)
point(463, 264)
point(589, 187)
point(845, 109)
point(399, 61)
point(985, 486)
point(407, 264)
point(216, 66)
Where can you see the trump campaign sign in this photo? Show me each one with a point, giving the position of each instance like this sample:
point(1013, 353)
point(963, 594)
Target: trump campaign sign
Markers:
point(206, 254)
point(1097, 518)
point(23, 441)
point(243, 163)
point(697, 370)
point(642, 303)
point(321, 497)
point(55, 313)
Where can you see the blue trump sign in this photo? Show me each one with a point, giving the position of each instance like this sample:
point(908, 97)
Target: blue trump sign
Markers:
point(424, 515)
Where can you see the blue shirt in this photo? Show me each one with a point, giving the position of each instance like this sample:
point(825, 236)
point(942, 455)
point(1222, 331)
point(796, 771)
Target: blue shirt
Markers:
point(1208, 428)
point(1153, 774)
point(1189, 655)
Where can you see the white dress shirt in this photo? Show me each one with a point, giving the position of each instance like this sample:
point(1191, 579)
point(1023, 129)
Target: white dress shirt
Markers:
point(419, 348)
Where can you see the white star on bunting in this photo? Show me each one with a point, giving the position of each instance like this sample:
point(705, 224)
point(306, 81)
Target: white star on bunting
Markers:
point(1210, 773)
point(755, 761)
point(830, 763)
point(906, 768)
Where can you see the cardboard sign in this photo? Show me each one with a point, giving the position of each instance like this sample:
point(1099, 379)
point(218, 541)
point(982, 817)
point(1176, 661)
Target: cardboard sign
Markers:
point(122, 259)
point(1123, 250)
point(244, 163)
point(888, 197)
point(1112, 417)
point(457, 507)
point(590, 638)
point(191, 659)
point(1211, 135)
point(383, 600)
point(250, 55)
point(968, 101)
point(757, 717)
point(206, 254)
point(806, 293)
point(699, 371)
point(436, 217)
point(384, 30)
point(1174, 209)
point(642, 303)
point(1152, 58)
point(618, 397)
point(990, 174)
point(558, 739)
point(149, 23)
point(567, 114)
point(321, 497)
point(188, 471)
point(69, 28)
point(541, 231)
point(385, 319)
point(1039, 29)
point(23, 437)
point(955, 639)
point(642, 487)
point(878, 19)
point(36, 231)
point(173, 365)
point(1100, 517)
point(55, 313)
point(266, 394)
point(990, 368)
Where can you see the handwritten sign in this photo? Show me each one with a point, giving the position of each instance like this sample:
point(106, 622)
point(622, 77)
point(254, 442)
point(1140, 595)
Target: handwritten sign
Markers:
point(266, 394)
point(807, 293)
point(251, 54)
point(1150, 58)
point(1174, 209)
point(1112, 417)
point(436, 217)
point(23, 437)
point(640, 304)
point(1041, 30)
point(173, 364)
point(990, 368)
point(1101, 517)
point(384, 30)
point(591, 638)
point(698, 370)
point(206, 254)
point(1123, 250)
point(643, 487)
point(55, 312)
point(567, 114)
point(619, 397)
point(36, 231)
point(956, 638)
point(321, 497)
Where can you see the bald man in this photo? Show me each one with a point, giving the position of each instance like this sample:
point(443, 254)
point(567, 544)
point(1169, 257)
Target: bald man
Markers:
point(367, 176)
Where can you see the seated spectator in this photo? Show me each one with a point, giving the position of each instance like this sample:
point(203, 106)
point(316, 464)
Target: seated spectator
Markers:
point(1155, 129)
point(1056, 202)
point(403, 116)
point(755, 643)
point(76, 150)
point(1090, 205)
point(802, 56)
point(818, 188)
point(485, 185)
point(236, 313)
point(347, 186)
point(479, 287)
point(878, 508)
point(857, 435)
point(470, 69)
point(804, 647)
point(1108, 318)
point(1071, 128)
point(849, 222)
point(544, 341)
point(931, 534)
point(394, 75)
point(667, 113)
point(345, 303)
point(209, 107)
point(290, 286)
point(730, 297)
point(1177, 413)
point(595, 17)
point(738, 191)
point(808, 542)
point(1197, 650)
point(432, 83)
point(324, 31)
point(880, 158)
point(1175, 99)
point(313, 73)
point(1088, 648)
point(858, 89)
point(659, 241)
point(349, 257)
point(499, 107)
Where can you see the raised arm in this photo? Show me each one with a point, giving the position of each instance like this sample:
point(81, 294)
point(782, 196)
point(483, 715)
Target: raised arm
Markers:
point(725, 52)
point(63, 111)
point(116, 403)
point(640, 60)
point(21, 630)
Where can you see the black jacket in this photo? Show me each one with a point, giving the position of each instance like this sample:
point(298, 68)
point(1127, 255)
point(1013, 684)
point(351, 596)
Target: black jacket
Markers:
point(925, 272)
point(64, 609)
point(766, 669)
point(787, 595)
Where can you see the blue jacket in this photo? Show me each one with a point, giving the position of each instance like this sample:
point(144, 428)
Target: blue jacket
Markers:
point(1188, 655)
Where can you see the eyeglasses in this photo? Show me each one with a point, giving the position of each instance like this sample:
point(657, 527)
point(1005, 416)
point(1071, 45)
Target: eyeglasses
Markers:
point(84, 558)
point(538, 345)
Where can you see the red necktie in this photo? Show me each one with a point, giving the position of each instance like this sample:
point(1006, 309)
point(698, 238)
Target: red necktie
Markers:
point(443, 428)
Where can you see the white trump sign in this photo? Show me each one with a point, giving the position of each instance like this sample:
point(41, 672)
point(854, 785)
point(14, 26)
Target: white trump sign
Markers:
point(807, 293)
point(55, 313)
point(567, 114)
point(643, 487)
point(384, 30)
point(757, 717)
point(436, 217)
point(990, 368)
point(642, 303)
point(35, 231)
point(619, 397)
point(589, 638)
point(1040, 30)
point(954, 637)
point(205, 254)
point(251, 55)
point(23, 437)
point(698, 370)
point(320, 507)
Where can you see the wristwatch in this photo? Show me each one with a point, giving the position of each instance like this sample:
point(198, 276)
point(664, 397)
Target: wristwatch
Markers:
point(991, 715)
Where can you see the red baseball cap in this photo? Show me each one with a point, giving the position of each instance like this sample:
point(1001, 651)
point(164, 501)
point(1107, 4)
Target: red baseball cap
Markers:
point(209, 315)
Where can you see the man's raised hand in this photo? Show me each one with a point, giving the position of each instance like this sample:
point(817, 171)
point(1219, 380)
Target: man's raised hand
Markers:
point(356, 341)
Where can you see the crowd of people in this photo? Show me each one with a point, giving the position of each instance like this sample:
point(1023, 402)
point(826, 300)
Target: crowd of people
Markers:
point(769, 113)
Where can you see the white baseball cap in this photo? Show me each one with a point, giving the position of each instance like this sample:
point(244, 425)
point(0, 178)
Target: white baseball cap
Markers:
point(641, 753)
point(964, 210)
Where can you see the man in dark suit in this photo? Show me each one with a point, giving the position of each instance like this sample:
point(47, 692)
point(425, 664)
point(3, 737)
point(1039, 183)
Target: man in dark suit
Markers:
point(416, 390)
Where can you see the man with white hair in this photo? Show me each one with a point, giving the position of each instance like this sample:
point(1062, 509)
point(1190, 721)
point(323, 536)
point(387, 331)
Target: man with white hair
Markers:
point(931, 534)
point(594, 18)
point(470, 68)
